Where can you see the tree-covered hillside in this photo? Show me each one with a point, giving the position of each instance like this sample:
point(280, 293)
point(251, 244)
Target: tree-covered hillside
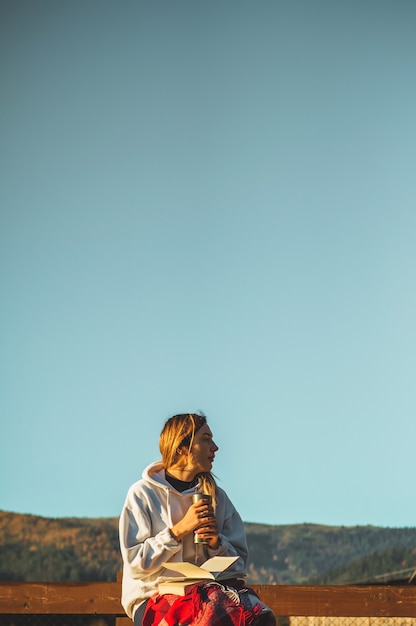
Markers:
point(72, 549)
point(311, 553)
point(40, 549)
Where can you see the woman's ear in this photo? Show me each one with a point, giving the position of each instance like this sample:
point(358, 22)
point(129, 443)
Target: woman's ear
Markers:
point(182, 451)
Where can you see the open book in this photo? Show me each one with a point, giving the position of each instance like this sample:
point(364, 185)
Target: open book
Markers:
point(213, 569)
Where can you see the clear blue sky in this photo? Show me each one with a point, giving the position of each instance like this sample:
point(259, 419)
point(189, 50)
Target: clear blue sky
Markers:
point(210, 205)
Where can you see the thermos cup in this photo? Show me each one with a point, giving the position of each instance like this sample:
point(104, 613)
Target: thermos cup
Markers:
point(196, 498)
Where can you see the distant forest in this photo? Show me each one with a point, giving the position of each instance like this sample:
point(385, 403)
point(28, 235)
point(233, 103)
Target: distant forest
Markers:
point(74, 549)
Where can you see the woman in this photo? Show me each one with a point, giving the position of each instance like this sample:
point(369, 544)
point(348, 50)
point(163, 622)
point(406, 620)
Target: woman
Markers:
point(158, 523)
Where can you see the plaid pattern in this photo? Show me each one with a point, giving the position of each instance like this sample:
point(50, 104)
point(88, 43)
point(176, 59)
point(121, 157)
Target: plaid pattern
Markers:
point(209, 604)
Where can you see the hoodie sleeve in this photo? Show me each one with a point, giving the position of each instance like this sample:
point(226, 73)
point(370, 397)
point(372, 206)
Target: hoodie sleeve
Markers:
point(143, 552)
point(232, 534)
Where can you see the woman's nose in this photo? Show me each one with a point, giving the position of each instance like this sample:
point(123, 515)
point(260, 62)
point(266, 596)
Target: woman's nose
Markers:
point(214, 445)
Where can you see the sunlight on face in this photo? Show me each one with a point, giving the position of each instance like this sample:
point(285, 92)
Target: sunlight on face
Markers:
point(203, 450)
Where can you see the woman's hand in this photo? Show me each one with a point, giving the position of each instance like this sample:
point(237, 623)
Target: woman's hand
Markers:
point(200, 515)
point(208, 531)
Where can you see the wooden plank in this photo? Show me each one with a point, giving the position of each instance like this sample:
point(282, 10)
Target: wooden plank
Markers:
point(61, 598)
point(123, 621)
point(284, 600)
point(339, 601)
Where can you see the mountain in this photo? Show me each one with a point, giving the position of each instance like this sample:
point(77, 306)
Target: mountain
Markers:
point(36, 548)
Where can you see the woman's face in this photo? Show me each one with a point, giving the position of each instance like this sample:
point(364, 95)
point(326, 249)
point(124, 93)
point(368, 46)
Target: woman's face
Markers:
point(201, 456)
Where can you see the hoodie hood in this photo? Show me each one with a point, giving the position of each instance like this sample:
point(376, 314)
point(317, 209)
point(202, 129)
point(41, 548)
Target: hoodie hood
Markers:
point(175, 503)
point(155, 475)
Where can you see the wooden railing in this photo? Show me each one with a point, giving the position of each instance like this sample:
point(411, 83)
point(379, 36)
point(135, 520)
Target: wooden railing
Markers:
point(284, 600)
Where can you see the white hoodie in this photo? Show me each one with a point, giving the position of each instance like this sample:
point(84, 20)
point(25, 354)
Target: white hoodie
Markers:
point(153, 506)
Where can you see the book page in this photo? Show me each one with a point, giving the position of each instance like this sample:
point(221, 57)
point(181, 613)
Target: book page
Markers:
point(188, 569)
point(218, 564)
point(208, 570)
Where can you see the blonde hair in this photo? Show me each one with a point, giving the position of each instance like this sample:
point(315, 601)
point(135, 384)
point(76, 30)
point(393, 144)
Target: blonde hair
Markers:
point(178, 432)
